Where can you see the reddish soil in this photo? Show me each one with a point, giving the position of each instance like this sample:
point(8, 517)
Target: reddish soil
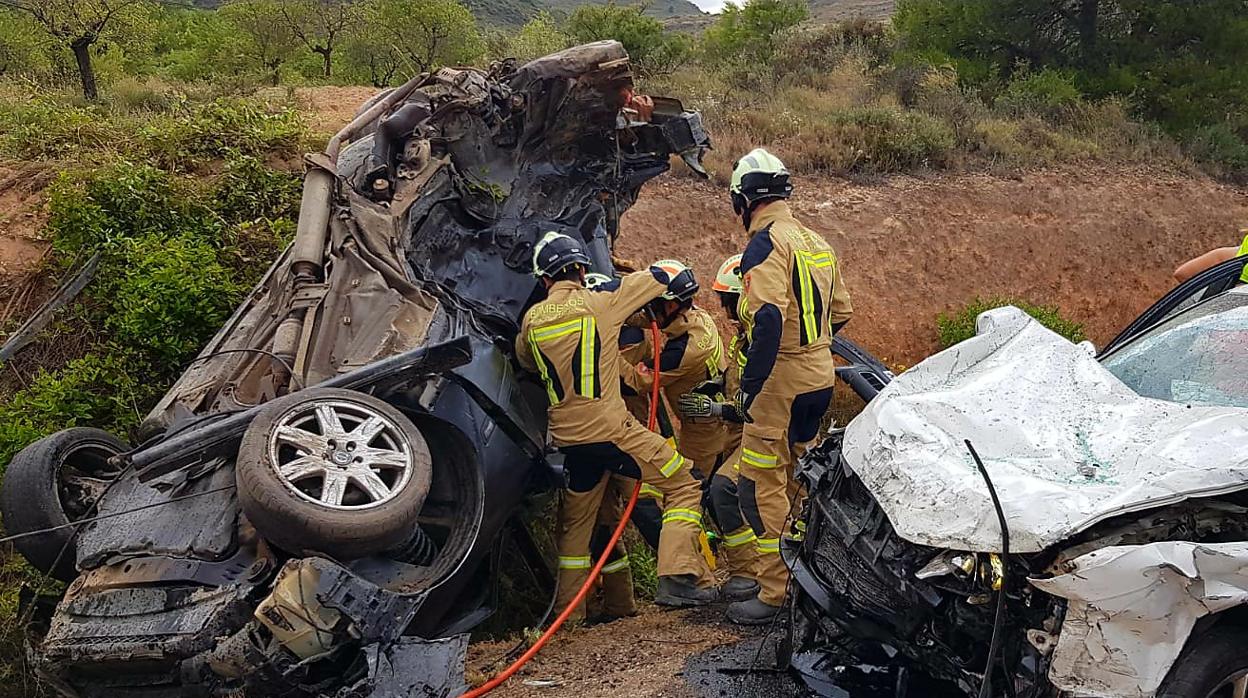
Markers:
point(1100, 244)
point(330, 108)
point(21, 216)
point(641, 657)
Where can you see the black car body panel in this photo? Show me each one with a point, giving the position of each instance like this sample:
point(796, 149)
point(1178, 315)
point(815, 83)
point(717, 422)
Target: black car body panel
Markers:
point(406, 281)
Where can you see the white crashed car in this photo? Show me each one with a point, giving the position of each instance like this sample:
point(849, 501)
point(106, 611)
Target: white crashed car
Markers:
point(1122, 481)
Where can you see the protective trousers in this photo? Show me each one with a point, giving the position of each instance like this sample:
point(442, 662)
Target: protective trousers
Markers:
point(738, 542)
point(617, 576)
point(633, 451)
point(784, 426)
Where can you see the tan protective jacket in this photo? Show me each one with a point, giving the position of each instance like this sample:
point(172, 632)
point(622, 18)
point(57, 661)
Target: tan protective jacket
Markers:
point(793, 296)
point(572, 340)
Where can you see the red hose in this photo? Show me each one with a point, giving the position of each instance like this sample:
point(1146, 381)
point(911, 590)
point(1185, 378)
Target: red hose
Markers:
point(602, 561)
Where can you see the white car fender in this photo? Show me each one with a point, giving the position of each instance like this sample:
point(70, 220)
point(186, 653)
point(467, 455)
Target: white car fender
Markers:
point(1132, 609)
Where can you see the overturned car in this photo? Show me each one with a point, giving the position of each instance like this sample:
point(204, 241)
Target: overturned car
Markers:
point(312, 509)
point(1016, 517)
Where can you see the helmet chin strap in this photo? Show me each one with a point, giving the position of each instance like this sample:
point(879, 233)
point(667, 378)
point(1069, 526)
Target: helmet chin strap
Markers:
point(747, 217)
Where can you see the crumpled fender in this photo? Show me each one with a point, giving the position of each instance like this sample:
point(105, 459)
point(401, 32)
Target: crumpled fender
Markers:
point(1132, 609)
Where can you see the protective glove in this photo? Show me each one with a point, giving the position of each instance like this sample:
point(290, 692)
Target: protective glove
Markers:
point(742, 402)
point(698, 406)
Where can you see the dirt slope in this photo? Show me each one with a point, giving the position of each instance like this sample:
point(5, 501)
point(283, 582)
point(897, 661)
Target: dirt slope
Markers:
point(1101, 244)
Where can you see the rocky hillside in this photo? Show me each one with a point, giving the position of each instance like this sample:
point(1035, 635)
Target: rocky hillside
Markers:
point(838, 10)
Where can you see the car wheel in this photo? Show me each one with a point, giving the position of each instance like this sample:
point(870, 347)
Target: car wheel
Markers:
point(55, 481)
point(1213, 665)
point(335, 472)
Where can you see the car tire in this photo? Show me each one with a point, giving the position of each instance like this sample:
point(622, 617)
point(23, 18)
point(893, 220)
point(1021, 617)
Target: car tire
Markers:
point(1210, 665)
point(303, 474)
point(53, 482)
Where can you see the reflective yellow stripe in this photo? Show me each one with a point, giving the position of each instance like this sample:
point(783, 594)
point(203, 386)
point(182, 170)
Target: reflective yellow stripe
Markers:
point(588, 367)
point(743, 538)
point(691, 515)
point(575, 562)
point(769, 545)
point(1243, 252)
point(759, 460)
point(716, 357)
point(618, 566)
point(808, 295)
point(651, 491)
point(563, 329)
point(675, 463)
point(541, 369)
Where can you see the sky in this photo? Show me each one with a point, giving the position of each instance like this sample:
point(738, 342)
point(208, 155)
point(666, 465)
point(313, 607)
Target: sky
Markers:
point(710, 5)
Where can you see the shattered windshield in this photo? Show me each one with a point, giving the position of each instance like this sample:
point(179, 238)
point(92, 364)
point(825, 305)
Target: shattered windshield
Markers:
point(1196, 358)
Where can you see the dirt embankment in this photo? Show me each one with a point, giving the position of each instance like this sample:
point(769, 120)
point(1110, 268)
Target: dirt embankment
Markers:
point(1099, 243)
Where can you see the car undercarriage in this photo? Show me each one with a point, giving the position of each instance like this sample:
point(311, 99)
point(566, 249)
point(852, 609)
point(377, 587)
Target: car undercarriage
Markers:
point(314, 504)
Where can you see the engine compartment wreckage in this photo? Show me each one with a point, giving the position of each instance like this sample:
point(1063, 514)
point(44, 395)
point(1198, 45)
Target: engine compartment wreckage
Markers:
point(1125, 569)
point(314, 505)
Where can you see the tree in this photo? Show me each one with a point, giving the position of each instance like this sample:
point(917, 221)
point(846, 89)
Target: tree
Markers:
point(320, 25)
point(1180, 61)
point(538, 37)
point(749, 31)
point(651, 49)
point(269, 40)
point(80, 25)
point(408, 37)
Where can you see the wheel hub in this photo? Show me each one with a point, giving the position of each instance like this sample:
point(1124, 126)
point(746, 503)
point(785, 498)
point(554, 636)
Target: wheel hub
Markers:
point(341, 455)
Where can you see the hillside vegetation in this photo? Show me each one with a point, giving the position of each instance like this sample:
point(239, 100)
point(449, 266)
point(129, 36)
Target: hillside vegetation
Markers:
point(176, 136)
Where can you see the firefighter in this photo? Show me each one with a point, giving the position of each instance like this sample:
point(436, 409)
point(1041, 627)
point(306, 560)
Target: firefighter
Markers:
point(793, 302)
point(1212, 259)
point(634, 348)
point(571, 340)
point(693, 359)
point(708, 402)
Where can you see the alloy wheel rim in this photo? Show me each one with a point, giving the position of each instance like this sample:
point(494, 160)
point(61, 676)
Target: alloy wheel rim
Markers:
point(341, 455)
point(1235, 686)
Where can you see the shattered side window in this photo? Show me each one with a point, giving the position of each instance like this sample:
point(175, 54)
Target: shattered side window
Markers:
point(1199, 357)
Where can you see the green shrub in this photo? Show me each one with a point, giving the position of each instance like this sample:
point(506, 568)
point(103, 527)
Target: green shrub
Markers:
point(891, 140)
point(217, 129)
point(1220, 146)
point(1049, 93)
point(171, 296)
point(251, 191)
point(165, 131)
point(959, 326)
point(102, 390)
point(90, 209)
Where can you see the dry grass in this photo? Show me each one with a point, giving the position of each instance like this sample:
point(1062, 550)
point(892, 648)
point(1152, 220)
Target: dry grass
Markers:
point(832, 103)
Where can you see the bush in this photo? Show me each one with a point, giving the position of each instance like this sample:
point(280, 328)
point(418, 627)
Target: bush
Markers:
point(959, 326)
point(1220, 146)
point(91, 209)
point(170, 131)
point(171, 295)
point(1049, 93)
point(102, 390)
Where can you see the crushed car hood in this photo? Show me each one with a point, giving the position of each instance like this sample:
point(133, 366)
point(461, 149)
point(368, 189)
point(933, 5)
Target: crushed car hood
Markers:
point(1066, 443)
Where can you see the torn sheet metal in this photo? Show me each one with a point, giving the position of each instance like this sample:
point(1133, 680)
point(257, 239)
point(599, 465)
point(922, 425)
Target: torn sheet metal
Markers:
point(1132, 608)
point(1066, 443)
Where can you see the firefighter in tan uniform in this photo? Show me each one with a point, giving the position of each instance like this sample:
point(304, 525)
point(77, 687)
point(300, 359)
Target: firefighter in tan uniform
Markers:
point(571, 340)
point(794, 301)
point(707, 401)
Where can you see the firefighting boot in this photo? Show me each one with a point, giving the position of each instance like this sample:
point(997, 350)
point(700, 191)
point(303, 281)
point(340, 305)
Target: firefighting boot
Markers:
point(739, 589)
point(752, 612)
point(682, 591)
